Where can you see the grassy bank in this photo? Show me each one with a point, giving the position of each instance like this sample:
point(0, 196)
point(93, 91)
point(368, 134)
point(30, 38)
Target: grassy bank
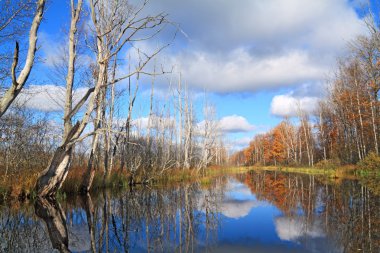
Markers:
point(21, 186)
point(344, 172)
point(347, 171)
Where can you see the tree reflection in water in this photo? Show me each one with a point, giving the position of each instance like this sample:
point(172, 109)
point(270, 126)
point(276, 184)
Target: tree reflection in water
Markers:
point(54, 217)
point(346, 212)
point(306, 214)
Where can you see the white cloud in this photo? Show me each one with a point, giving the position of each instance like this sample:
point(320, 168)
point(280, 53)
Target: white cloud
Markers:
point(288, 105)
point(243, 141)
point(239, 144)
point(228, 124)
point(240, 71)
point(252, 21)
point(239, 46)
point(156, 122)
point(235, 124)
point(47, 98)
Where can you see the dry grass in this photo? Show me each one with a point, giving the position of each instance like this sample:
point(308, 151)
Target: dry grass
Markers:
point(346, 172)
point(74, 179)
point(18, 185)
point(21, 185)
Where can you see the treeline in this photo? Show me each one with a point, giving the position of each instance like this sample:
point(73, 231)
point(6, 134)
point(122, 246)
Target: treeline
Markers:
point(344, 128)
point(97, 130)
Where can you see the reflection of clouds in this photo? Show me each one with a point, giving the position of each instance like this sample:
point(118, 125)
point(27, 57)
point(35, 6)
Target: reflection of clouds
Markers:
point(234, 208)
point(238, 190)
point(291, 229)
point(237, 202)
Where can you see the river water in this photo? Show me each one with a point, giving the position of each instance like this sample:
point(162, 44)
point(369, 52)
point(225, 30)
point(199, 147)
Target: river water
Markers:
point(252, 212)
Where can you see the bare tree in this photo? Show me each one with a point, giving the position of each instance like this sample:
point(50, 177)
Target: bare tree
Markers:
point(115, 25)
point(19, 81)
point(53, 177)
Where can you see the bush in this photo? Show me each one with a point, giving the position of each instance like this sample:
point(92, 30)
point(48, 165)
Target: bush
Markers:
point(371, 162)
point(329, 164)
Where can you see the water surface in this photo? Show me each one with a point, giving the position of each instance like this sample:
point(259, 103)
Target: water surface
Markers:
point(254, 212)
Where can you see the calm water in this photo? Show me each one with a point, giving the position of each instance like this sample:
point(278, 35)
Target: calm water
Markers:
point(255, 212)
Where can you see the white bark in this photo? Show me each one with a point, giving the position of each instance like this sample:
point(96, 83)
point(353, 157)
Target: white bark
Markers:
point(19, 82)
point(52, 178)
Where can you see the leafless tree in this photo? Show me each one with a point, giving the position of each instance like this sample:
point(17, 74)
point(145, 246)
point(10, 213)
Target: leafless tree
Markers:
point(18, 82)
point(115, 25)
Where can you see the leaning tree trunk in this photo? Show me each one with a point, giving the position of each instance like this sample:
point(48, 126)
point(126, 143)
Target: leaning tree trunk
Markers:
point(54, 175)
point(52, 178)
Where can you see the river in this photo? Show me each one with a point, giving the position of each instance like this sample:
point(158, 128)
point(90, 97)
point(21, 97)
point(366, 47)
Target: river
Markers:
point(252, 212)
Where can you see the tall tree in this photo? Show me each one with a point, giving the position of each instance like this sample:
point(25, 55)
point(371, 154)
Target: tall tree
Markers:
point(115, 24)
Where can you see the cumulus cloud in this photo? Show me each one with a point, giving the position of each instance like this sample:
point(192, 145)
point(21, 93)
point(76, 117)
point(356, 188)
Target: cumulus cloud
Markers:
point(251, 21)
point(228, 124)
point(235, 124)
point(240, 143)
point(240, 71)
point(236, 47)
point(47, 98)
point(157, 122)
point(288, 105)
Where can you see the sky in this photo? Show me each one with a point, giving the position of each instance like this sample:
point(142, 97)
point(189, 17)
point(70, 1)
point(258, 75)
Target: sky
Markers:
point(256, 59)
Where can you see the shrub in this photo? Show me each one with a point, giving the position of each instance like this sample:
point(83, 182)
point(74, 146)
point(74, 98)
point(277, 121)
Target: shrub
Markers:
point(329, 164)
point(371, 162)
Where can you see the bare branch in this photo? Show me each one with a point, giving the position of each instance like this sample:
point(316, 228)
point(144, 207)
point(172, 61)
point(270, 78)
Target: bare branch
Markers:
point(80, 103)
point(11, 94)
point(14, 65)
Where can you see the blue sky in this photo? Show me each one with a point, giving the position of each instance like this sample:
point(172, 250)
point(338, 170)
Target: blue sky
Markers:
point(256, 59)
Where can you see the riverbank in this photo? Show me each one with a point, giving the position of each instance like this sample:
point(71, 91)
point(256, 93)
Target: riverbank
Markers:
point(21, 187)
point(342, 172)
point(347, 171)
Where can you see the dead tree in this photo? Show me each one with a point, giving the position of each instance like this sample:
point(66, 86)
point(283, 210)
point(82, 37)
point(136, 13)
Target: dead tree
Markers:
point(115, 25)
point(19, 81)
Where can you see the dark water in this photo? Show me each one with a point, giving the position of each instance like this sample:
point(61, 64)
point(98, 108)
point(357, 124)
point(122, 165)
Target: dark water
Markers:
point(255, 212)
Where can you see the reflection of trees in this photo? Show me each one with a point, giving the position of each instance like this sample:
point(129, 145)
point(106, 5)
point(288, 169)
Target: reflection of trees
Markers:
point(52, 214)
point(89, 209)
point(275, 188)
point(349, 213)
point(147, 220)
point(19, 231)
point(180, 219)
